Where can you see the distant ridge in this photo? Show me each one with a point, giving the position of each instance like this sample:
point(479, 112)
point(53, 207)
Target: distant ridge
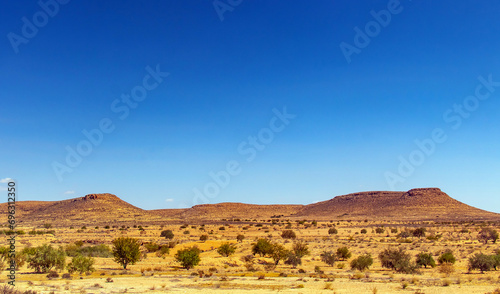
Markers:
point(100, 209)
point(415, 204)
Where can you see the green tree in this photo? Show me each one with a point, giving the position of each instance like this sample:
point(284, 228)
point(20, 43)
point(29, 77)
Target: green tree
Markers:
point(168, 234)
point(20, 258)
point(481, 262)
point(328, 257)
point(43, 258)
point(278, 252)
point(81, 264)
point(262, 247)
point(425, 259)
point(343, 253)
point(188, 257)
point(398, 260)
point(226, 249)
point(126, 251)
point(362, 262)
point(487, 234)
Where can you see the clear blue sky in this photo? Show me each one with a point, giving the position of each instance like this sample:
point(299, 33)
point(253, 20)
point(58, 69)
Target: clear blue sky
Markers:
point(228, 69)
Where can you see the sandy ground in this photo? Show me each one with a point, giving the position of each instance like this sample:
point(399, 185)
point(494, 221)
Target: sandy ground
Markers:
point(229, 275)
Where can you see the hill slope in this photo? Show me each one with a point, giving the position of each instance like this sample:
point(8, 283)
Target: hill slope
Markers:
point(415, 204)
point(91, 209)
point(108, 209)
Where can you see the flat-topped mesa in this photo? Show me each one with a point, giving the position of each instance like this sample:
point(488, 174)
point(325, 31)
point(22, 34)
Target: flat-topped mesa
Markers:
point(98, 196)
point(425, 192)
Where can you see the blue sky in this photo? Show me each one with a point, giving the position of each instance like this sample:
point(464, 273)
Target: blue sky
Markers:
point(232, 65)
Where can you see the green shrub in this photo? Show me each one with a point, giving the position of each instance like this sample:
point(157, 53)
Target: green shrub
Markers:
point(164, 250)
point(152, 247)
point(288, 234)
point(278, 252)
point(204, 238)
point(343, 253)
point(425, 259)
point(332, 231)
point(188, 257)
point(81, 264)
point(447, 257)
point(481, 262)
point(398, 260)
point(300, 249)
point(419, 232)
point(168, 234)
point(328, 257)
point(362, 262)
point(293, 259)
point(262, 247)
point(226, 249)
point(487, 234)
point(43, 258)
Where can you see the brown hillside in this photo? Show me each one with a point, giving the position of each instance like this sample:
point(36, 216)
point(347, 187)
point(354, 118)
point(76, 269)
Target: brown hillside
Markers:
point(98, 209)
point(231, 210)
point(415, 204)
point(108, 209)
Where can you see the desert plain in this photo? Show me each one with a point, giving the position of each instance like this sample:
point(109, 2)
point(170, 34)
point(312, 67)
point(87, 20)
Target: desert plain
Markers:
point(364, 223)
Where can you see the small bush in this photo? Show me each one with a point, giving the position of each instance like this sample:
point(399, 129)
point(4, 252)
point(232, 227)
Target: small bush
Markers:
point(447, 257)
point(328, 257)
point(262, 247)
point(226, 249)
point(332, 231)
point(203, 238)
point(288, 234)
point(81, 264)
point(152, 247)
point(343, 253)
point(362, 262)
point(188, 257)
point(168, 234)
point(425, 259)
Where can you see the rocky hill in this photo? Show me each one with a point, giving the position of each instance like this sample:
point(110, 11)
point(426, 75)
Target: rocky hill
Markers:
point(415, 204)
point(108, 209)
